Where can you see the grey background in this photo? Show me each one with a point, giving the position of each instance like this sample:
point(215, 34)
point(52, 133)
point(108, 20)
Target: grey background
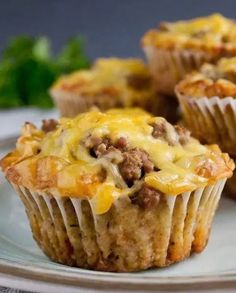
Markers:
point(111, 27)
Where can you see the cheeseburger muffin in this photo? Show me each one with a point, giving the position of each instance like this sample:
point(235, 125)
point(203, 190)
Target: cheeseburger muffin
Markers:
point(208, 103)
point(117, 191)
point(110, 83)
point(174, 49)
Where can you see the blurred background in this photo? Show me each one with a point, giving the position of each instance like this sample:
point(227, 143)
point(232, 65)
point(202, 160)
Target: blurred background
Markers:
point(111, 27)
point(36, 46)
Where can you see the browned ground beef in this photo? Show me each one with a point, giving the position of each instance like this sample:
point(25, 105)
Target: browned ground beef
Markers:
point(146, 197)
point(102, 147)
point(97, 145)
point(121, 143)
point(49, 125)
point(135, 164)
point(184, 134)
point(159, 130)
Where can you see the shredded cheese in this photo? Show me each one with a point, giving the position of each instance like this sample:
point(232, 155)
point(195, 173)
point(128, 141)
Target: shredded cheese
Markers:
point(210, 32)
point(64, 155)
point(109, 76)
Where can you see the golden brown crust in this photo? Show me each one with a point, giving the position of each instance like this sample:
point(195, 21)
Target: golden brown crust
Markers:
point(213, 34)
point(210, 80)
point(176, 49)
point(198, 85)
point(110, 83)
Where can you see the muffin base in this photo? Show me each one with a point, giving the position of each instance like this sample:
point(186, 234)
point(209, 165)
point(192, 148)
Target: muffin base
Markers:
point(71, 104)
point(126, 238)
point(168, 67)
point(211, 120)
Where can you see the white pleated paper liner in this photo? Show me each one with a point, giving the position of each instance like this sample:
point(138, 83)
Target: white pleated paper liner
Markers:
point(168, 67)
point(127, 237)
point(72, 104)
point(211, 120)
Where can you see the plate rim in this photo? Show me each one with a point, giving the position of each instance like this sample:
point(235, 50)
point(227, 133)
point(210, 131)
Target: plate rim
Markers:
point(114, 280)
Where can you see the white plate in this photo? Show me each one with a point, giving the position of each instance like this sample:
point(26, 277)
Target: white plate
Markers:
point(12, 120)
point(23, 265)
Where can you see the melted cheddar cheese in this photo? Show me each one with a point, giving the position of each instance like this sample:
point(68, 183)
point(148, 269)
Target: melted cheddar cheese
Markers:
point(114, 77)
point(211, 80)
point(59, 161)
point(226, 65)
point(211, 32)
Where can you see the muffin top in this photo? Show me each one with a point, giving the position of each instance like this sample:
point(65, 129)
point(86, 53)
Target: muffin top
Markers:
point(103, 156)
point(211, 80)
point(213, 32)
point(128, 79)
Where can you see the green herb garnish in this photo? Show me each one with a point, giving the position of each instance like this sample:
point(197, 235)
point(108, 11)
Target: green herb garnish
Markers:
point(27, 69)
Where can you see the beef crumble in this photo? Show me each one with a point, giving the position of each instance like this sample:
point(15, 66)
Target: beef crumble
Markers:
point(49, 125)
point(100, 146)
point(135, 164)
point(160, 131)
point(184, 134)
point(121, 144)
point(146, 197)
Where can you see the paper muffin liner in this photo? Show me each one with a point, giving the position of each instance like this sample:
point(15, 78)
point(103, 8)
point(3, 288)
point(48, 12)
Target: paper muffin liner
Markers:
point(168, 67)
point(71, 104)
point(211, 120)
point(126, 238)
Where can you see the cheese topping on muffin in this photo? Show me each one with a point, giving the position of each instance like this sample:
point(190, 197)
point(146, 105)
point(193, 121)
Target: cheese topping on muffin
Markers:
point(211, 32)
point(211, 80)
point(126, 79)
point(103, 156)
